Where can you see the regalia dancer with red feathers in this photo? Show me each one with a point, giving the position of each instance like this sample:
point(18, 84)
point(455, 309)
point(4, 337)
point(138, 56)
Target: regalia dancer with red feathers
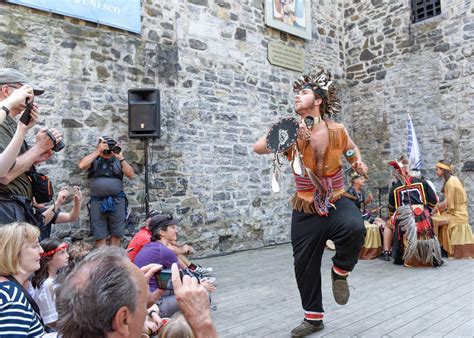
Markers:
point(410, 202)
point(314, 145)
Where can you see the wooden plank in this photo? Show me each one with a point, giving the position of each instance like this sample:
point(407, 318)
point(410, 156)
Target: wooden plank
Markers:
point(466, 327)
point(257, 297)
point(449, 323)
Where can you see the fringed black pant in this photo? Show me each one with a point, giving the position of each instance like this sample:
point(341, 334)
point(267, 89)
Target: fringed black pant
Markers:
point(309, 233)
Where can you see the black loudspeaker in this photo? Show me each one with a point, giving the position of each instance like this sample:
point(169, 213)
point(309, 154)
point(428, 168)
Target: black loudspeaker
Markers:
point(143, 113)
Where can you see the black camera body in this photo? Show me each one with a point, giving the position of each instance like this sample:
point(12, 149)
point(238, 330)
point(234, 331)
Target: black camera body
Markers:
point(112, 144)
point(26, 117)
point(58, 146)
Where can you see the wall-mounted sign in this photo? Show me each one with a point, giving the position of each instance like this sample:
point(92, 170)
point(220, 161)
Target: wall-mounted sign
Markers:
point(291, 16)
point(286, 57)
point(123, 14)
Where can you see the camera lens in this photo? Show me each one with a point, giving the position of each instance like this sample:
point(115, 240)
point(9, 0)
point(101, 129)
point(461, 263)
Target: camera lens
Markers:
point(116, 149)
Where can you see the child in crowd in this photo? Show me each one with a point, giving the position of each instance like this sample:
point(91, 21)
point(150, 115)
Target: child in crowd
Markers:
point(176, 327)
point(53, 259)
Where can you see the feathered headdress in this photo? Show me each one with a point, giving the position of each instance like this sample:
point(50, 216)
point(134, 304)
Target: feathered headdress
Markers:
point(322, 85)
point(354, 175)
point(402, 175)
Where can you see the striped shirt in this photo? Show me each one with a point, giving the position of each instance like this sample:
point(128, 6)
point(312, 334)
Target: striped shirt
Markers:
point(17, 317)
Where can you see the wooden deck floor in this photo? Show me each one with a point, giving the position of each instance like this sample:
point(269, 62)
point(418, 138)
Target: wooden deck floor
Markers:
point(257, 297)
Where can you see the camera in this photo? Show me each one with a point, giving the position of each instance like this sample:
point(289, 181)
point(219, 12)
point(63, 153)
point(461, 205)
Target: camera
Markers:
point(112, 144)
point(58, 146)
point(163, 279)
point(26, 117)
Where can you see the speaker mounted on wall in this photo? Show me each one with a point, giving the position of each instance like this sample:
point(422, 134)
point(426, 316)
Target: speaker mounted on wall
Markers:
point(144, 113)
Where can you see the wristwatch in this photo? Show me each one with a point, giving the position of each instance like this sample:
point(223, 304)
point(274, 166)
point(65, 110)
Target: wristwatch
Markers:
point(6, 110)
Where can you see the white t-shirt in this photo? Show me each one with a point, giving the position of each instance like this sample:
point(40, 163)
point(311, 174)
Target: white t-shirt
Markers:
point(44, 297)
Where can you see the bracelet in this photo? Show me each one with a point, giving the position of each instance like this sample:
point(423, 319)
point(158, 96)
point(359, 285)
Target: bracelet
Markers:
point(121, 160)
point(6, 110)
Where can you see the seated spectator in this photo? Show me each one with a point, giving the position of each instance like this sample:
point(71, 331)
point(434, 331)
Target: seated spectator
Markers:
point(451, 215)
point(163, 228)
point(143, 236)
point(358, 194)
point(164, 231)
point(53, 259)
point(20, 248)
point(119, 292)
point(76, 252)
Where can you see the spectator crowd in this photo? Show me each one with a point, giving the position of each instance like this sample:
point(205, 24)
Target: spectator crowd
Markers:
point(56, 289)
point(153, 288)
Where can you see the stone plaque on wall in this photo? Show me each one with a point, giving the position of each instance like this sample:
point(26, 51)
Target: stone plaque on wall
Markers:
point(286, 57)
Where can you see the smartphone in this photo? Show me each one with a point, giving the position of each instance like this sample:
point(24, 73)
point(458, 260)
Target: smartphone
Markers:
point(163, 279)
point(25, 117)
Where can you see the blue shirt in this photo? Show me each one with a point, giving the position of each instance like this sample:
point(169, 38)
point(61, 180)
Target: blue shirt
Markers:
point(17, 317)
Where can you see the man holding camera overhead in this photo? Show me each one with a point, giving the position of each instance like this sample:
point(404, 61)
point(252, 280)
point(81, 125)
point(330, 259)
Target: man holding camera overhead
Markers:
point(108, 203)
point(16, 190)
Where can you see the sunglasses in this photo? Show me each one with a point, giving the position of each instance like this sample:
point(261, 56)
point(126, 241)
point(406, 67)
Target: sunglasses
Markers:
point(154, 213)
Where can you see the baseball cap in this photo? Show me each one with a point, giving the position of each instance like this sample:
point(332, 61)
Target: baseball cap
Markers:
point(11, 76)
point(162, 221)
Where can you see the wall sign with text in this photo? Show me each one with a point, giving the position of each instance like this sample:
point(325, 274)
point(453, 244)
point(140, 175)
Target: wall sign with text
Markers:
point(123, 14)
point(285, 56)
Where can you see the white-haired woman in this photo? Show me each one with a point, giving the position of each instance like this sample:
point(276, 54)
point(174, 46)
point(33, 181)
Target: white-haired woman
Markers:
point(20, 257)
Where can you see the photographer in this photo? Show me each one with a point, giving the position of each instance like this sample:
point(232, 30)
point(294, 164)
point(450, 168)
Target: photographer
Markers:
point(16, 100)
point(16, 190)
point(108, 203)
point(54, 215)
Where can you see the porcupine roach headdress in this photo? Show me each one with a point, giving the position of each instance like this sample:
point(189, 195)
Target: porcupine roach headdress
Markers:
point(322, 85)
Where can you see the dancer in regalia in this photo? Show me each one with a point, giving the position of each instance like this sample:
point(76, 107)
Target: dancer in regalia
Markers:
point(321, 210)
point(410, 203)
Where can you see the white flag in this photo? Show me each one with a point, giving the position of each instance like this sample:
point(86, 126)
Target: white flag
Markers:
point(413, 149)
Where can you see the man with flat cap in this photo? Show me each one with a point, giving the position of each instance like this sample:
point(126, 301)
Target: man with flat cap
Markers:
point(16, 192)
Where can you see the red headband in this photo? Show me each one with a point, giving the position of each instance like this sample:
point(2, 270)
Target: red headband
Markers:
point(52, 252)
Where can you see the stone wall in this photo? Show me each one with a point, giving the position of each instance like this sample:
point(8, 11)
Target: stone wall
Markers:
point(219, 94)
point(394, 67)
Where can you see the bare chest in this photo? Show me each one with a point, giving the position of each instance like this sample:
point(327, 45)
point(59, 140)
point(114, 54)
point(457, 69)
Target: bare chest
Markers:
point(319, 139)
